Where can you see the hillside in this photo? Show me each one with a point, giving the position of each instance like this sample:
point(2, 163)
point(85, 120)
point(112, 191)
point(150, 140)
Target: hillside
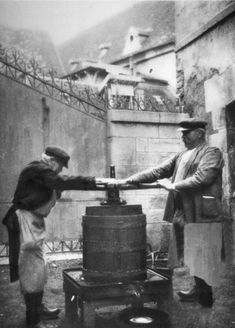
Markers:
point(159, 16)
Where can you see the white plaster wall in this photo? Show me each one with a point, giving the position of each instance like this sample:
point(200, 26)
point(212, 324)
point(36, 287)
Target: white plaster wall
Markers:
point(164, 67)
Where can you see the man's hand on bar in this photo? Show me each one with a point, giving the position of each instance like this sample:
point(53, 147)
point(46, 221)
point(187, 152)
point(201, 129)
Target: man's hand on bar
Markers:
point(112, 182)
point(121, 182)
point(105, 181)
point(166, 184)
point(126, 184)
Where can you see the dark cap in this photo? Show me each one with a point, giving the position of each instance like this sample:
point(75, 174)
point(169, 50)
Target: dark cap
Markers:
point(58, 153)
point(192, 124)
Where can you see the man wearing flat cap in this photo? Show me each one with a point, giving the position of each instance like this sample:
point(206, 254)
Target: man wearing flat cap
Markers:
point(39, 186)
point(194, 208)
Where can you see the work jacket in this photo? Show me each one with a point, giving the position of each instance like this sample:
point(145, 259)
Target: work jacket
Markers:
point(199, 192)
point(34, 189)
point(37, 182)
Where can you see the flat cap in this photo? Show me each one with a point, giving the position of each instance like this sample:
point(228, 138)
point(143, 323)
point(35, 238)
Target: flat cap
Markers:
point(192, 124)
point(58, 153)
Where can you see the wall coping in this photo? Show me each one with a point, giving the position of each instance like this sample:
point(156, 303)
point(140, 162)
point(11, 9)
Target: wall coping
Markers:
point(128, 116)
point(160, 49)
point(143, 55)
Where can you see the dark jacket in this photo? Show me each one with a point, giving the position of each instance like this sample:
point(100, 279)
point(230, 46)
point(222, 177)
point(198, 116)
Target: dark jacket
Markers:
point(200, 190)
point(34, 188)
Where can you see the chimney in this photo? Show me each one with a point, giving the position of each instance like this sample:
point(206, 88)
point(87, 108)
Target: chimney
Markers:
point(104, 47)
point(131, 65)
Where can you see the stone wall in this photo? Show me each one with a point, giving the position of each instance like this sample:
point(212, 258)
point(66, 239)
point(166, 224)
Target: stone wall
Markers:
point(141, 140)
point(190, 16)
point(29, 121)
point(208, 54)
point(135, 141)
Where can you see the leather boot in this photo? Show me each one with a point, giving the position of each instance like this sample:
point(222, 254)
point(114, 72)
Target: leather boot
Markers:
point(205, 292)
point(189, 296)
point(46, 313)
point(49, 314)
point(201, 293)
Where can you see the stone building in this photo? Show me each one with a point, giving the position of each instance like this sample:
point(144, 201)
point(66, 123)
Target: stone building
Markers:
point(205, 75)
point(138, 38)
point(144, 52)
point(206, 84)
point(123, 88)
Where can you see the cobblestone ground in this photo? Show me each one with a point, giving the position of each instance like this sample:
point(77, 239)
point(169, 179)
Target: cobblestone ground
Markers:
point(182, 315)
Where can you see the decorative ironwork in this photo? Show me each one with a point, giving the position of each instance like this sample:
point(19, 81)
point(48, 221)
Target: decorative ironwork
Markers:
point(153, 103)
point(63, 246)
point(51, 247)
point(67, 91)
point(4, 250)
point(73, 93)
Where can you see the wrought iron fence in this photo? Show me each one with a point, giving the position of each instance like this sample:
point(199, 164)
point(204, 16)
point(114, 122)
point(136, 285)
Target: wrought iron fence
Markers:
point(63, 246)
point(151, 103)
point(72, 93)
point(51, 247)
point(13, 65)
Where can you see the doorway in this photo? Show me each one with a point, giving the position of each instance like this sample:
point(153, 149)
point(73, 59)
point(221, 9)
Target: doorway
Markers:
point(230, 122)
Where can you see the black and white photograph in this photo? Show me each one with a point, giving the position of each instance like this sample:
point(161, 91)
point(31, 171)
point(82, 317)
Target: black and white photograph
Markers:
point(117, 164)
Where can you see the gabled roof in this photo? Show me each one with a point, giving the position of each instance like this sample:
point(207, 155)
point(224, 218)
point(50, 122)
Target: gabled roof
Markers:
point(155, 15)
point(80, 65)
point(111, 73)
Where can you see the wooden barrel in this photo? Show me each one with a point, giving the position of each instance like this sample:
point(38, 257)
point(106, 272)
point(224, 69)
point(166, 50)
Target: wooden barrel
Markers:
point(114, 243)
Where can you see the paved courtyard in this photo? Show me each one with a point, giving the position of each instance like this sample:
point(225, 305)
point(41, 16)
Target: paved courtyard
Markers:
point(182, 315)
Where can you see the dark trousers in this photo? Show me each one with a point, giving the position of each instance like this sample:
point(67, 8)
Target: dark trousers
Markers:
point(33, 302)
point(178, 228)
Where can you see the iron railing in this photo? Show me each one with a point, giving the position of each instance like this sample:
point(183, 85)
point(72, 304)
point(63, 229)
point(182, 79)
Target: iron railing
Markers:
point(51, 247)
point(13, 65)
point(72, 93)
point(151, 103)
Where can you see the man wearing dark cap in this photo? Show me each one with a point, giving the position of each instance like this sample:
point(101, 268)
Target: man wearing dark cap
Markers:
point(39, 186)
point(194, 206)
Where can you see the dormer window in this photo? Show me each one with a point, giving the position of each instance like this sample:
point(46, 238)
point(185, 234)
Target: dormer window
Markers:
point(135, 39)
